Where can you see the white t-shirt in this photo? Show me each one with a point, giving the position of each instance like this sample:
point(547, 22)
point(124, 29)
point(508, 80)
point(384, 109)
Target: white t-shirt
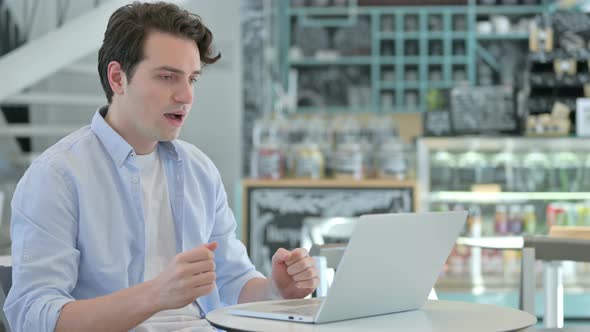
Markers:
point(160, 243)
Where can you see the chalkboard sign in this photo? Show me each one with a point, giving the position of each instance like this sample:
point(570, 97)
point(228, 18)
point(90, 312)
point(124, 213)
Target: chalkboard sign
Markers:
point(275, 211)
point(437, 123)
point(478, 110)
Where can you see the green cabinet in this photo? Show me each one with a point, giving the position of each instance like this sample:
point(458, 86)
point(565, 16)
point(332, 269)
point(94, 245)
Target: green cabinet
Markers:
point(409, 51)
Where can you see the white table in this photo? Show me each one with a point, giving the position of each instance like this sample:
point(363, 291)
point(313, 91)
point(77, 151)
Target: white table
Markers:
point(435, 316)
point(552, 250)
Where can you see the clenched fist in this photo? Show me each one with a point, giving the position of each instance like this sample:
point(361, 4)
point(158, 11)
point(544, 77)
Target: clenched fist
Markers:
point(294, 273)
point(190, 275)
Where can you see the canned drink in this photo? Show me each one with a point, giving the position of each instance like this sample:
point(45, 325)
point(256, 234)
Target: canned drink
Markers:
point(551, 214)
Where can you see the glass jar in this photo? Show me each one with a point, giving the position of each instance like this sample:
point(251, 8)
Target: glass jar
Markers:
point(268, 156)
point(347, 161)
point(269, 129)
point(472, 168)
point(535, 172)
point(504, 166)
point(442, 171)
point(309, 161)
point(346, 130)
point(585, 183)
point(319, 133)
point(267, 162)
point(393, 160)
point(566, 172)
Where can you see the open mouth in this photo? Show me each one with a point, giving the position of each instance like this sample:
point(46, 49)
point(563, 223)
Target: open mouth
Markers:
point(174, 116)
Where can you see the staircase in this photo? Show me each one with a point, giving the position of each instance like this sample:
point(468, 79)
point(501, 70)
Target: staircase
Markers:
point(50, 86)
point(49, 89)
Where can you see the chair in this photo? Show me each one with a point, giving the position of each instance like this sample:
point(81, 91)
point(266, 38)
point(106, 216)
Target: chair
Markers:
point(328, 256)
point(551, 250)
point(326, 230)
point(6, 284)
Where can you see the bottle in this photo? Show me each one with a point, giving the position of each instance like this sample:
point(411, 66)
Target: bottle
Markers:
point(501, 220)
point(529, 219)
point(515, 220)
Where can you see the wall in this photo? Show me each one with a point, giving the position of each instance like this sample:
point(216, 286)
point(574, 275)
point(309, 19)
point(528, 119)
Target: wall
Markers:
point(216, 119)
point(215, 122)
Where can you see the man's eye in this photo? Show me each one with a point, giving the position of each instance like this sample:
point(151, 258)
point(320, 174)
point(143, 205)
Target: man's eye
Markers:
point(193, 80)
point(166, 77)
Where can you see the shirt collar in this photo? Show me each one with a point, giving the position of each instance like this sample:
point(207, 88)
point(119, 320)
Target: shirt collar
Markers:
point(116, 145)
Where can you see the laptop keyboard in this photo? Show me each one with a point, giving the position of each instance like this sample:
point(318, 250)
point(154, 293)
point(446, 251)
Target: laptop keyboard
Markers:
point(308, 310)
point(297, 303)
point(305, 307)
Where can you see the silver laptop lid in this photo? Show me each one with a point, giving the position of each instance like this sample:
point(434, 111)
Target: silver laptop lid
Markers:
point(391, 263)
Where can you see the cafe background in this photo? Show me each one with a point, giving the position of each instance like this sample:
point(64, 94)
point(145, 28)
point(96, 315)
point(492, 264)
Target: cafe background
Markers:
point(326, 109)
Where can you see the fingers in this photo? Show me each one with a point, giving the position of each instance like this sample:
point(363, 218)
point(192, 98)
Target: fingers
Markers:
point(212, 245)
point(307, 274)
point(311, 283)
point(203, 290)
point(202, 279)
point(282, 255)
point(296, 255)
point(202, 252)
point(302, 269)
point(198, 267)
point(301, 265)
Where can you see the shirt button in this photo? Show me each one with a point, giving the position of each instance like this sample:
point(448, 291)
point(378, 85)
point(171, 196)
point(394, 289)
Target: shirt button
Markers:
point(135, 179)
point(132, 154)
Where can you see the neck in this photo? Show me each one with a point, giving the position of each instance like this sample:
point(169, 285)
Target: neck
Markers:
point(116, 119)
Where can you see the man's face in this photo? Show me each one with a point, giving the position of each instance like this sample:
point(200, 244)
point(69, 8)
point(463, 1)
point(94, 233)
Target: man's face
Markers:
point(159, 97)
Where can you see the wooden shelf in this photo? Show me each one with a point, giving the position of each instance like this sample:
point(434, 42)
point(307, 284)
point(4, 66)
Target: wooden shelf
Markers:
point(329, 183)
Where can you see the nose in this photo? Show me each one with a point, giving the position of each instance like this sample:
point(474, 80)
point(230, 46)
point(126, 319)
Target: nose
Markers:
point(184, 93)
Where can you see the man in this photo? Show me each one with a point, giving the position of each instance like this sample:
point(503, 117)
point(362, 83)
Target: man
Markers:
point(120, 225)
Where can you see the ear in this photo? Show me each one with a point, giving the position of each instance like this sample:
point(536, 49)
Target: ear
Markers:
point(117, 78)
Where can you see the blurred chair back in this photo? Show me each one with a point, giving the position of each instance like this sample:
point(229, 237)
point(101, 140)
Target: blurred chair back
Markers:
point(328, 257)
point(317, 230)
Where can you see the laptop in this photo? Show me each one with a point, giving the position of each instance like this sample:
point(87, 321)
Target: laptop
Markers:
point(390, 265)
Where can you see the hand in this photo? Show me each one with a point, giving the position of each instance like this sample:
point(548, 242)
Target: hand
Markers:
point(190, 275)
point(294, 273)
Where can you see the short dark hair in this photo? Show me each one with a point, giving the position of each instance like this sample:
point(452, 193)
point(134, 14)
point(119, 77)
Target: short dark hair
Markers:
point(128, 27)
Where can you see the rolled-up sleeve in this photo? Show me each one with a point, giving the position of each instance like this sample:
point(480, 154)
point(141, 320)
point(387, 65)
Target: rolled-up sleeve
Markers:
point(234, 268)
point(45, 259)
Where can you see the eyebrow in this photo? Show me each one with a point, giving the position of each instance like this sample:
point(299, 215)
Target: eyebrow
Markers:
point(176, 70)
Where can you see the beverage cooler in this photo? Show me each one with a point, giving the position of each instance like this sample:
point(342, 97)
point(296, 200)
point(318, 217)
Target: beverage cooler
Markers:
point(511, 187)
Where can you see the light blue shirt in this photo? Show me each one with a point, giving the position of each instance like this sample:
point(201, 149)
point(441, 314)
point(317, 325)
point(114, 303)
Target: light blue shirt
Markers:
point(78, 230)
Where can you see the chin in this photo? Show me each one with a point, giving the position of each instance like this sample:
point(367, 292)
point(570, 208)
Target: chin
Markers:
point(169, 137)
